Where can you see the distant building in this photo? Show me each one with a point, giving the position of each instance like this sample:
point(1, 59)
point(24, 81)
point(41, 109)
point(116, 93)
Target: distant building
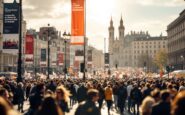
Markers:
point(127, 50)
point(176, 42)
point(95, 59)
point(144, 51)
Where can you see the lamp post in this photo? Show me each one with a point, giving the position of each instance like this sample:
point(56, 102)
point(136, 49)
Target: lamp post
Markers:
point(19, 65)
point(48, 52)
point(65, 35)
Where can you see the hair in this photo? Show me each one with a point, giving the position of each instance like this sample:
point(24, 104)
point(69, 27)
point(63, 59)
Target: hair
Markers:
point(49, 107)
point(91, 93)
point(146, 106)
point(64, 92)
point(164, 94)
point(178, 104)
point(155, 93)
point(4, 107)
point(2, 91)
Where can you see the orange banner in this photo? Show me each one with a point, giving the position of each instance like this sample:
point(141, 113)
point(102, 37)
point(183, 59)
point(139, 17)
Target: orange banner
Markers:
point(77, 22)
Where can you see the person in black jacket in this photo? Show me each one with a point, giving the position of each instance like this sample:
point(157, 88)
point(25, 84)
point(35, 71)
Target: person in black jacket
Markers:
point(136, 97)
point(163, 107)
point(122, 96)
point(89, 107)
point(36, 98)
point(81, 93)
point(20, 95)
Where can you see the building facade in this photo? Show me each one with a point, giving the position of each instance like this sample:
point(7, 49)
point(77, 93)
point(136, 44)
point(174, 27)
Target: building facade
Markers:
point(176, 42)
point(128, 50)
point(144, 51)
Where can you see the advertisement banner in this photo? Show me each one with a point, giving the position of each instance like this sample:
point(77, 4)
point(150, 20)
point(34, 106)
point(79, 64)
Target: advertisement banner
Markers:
point(11, 18)
point(77, 22)
point(79, 55)
point(60, 58)
point(10, 28)
point(43, 57)
point(29, 49)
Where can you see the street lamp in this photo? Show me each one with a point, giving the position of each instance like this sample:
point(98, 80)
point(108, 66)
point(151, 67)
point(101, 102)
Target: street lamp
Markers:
point(19, 63)
point(66, 36)
point(48, 40)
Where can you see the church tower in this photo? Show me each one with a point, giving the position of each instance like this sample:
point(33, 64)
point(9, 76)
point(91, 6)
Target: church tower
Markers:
point(111, 35)
point(121, 29)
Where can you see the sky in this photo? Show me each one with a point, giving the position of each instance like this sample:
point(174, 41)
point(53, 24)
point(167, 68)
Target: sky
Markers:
point(146, 15)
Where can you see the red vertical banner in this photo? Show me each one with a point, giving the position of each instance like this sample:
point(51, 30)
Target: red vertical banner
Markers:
point(29, 49)
point(77, 22)
point(60, 59)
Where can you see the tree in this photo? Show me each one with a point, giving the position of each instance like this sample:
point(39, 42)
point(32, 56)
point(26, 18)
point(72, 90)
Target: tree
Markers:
point(160, 59)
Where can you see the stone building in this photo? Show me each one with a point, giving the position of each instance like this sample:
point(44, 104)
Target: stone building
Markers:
point(176, 42)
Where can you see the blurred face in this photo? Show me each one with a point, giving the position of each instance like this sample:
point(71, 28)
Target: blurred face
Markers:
point(95, 98)
point(59, 94)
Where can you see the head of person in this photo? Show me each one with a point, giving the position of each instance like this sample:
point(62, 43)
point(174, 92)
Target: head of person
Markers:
point(40, 88)
point(4, 93)
point(156, 94)
point(49, 107)
point(93, 95)
point(165, 96)
point(178, 104)
point(62, 93)
point(146, 106)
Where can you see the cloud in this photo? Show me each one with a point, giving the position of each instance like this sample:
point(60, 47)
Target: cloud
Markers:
point(167, 3)
point(155, 27)
point(35, 9)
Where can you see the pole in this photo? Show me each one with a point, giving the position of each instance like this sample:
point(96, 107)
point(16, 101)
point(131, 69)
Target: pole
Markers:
point(19, 65)
point(48, 53)
point(104, 52)
point(65, 69)
point(35, 57)
point(84, 38)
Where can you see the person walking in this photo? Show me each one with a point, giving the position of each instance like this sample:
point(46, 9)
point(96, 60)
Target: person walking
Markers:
point(89, 107)
point(108, 97)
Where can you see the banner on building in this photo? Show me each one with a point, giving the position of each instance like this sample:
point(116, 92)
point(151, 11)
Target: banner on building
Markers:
point(77, 22)
point(60, 58)
point(106, 58)
point(11, 28)
point(79, 55)
point(43, 57)
point(29, 49)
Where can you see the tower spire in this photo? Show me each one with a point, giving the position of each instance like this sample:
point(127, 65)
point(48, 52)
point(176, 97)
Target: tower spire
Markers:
point(111, 22)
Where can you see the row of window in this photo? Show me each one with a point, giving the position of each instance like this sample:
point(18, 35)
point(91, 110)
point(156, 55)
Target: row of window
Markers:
point(177, 29)
point(150, 42)
point(150, 46)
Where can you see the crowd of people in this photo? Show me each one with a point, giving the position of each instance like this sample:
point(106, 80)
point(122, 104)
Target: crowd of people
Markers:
point(138, 96)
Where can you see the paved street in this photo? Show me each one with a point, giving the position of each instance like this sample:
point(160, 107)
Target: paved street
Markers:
point(72, 111)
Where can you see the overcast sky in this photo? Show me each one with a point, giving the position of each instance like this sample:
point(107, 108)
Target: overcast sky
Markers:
point(145, 15)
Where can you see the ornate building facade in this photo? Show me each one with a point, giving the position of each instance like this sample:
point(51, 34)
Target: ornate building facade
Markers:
point(125, 50)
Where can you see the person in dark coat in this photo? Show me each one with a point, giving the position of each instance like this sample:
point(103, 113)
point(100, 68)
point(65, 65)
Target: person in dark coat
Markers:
point(89, 107)
point(122, 96)
point(136, 97)
point(20, 96)
point(35, 99)
point(163, 107)
point(81, 93)
point(101, 95)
